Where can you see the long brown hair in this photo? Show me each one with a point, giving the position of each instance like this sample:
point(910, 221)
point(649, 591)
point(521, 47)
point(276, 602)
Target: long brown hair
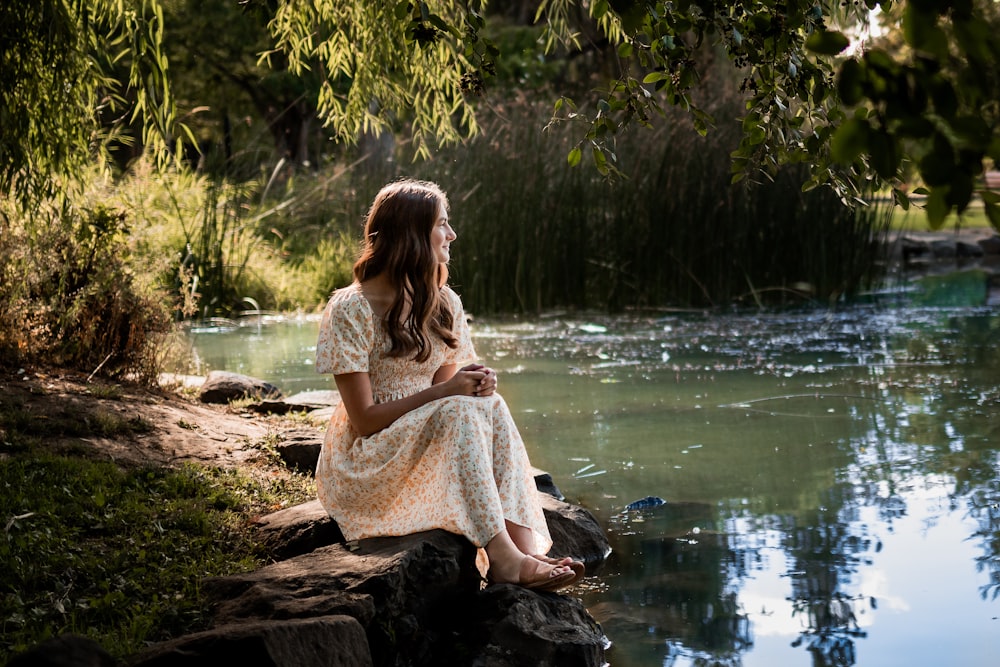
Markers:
point(398, 243)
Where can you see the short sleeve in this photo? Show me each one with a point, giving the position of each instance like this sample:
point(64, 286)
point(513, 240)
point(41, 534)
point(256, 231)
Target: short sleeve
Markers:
point(464, 352)
point(345, 334)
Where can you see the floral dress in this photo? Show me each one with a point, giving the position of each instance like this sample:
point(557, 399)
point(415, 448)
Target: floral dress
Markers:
point(456, 463)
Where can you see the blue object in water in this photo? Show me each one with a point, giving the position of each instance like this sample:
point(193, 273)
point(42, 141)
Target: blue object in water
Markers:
point(645, 503)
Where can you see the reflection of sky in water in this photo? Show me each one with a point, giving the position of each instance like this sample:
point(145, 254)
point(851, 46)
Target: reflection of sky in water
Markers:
point(831, 477)
point(924, 559)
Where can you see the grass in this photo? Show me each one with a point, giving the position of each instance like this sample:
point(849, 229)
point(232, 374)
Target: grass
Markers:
point(117, 553)
point(916, 220)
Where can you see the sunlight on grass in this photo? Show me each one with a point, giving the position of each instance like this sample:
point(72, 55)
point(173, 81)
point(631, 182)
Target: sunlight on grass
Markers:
point(118, 555)
point(915, 220)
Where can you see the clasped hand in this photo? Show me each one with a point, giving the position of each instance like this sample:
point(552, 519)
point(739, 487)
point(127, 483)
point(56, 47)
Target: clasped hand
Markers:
point(475, 380)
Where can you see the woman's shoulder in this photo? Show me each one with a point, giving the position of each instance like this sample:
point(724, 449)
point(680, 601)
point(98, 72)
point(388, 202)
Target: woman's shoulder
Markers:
point(351, 292)
point(451, 295)
point(348, 299)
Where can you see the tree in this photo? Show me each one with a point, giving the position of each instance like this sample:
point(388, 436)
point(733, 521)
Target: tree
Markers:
point(62, 94)
point(858, 119)
point(233, 103)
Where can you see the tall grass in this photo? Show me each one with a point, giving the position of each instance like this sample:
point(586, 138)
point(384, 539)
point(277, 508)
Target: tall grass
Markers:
point(535, 234)
point(92, 276)
point(69, 294)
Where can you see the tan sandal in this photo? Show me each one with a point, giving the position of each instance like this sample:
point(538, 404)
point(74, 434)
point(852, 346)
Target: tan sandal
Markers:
point(545, 584)
point(579, 569)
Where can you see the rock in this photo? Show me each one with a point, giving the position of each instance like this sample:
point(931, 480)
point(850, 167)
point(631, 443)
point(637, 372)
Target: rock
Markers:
point(325, 641)
point(990, 245)
point(911, 248)
point(420, 601)
point(545, 484)
point(510, 626)
point(298, 530)
point(305, 401)
point(964, 249)
point(314, 399)
point(273, 408)
point(64, 651)
point(575, 532)
point(223, 387)
point(645, 503)
point(387, 584)
point(299, 448)
point(304, 528)
point(943, 248)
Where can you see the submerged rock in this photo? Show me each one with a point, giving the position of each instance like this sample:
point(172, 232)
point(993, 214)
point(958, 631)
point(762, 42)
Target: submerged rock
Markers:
point(645, 503)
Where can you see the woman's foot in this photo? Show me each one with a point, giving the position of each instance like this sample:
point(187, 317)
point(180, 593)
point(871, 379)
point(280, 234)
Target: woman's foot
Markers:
point(535, 575)
point(578, 568)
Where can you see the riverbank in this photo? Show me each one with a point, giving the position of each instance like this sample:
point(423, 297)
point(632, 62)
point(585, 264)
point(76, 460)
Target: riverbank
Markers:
point(119, 499)
point(134, 425)
point(98, 470)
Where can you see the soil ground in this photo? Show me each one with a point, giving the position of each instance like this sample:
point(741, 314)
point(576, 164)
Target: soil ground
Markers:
point(174, 426)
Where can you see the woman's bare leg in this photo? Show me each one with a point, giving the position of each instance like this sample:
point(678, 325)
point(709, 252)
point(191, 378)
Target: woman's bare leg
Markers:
point(524, 539)
point(522, 536)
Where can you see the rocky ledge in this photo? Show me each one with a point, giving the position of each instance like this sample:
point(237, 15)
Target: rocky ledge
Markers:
point(387, 602)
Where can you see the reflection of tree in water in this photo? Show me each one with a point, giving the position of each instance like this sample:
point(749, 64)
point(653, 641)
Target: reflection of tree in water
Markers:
point(984, 507)
point(676, 593)
point(968, 449)
point(824, 553)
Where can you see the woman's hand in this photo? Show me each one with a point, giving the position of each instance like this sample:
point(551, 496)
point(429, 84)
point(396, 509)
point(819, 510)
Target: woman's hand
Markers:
point(472, 380)
point(487, 385)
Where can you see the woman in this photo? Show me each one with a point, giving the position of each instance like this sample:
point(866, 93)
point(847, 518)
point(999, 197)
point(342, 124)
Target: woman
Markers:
point(421, 441)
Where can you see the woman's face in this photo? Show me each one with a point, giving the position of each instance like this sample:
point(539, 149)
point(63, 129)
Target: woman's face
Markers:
point(441, 237)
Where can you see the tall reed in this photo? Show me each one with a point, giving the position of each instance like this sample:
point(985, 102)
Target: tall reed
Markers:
point(535, 234)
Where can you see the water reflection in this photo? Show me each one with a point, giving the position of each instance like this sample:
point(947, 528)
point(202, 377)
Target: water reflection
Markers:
point(832, 477)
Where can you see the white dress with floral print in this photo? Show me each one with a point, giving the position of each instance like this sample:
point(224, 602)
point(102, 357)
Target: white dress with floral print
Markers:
point(457, 463)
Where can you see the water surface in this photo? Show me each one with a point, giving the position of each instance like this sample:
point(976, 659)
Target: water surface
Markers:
point(831, 477)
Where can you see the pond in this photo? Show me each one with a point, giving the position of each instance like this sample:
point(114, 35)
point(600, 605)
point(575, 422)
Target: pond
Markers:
point(831, 477)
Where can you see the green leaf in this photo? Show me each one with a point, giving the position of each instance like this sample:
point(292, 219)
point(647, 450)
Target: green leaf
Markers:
point(992, 213)
point(884, 153)
point(973, 130)
point(944, 98)
point(901, 199)
point(631, 13)
point(827, 42)
point(574, 157)
point(850, 140)
point(600, 161)
point(849, 82)
point(921, 31)
point(937, 165)
point(653, 77)
point(960, 190)
point(936, 206)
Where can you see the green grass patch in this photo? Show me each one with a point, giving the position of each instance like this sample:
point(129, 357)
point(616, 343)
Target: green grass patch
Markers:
point(915, 219)
point(118, 554)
